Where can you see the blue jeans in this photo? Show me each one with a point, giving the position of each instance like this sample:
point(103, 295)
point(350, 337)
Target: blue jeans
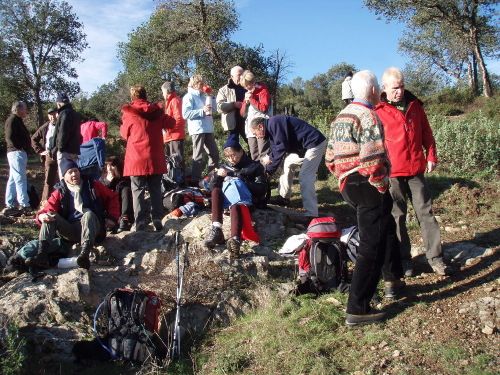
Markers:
point(17, 184)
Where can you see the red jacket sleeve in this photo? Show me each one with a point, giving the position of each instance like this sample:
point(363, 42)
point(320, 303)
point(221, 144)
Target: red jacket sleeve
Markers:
point(260, 100)
point(109, 199)
point(176, 111)
point(53, 204)
point(428, 140)
point(103, 127)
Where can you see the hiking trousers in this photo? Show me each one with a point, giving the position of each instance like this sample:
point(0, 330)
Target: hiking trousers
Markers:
point(377, 241)
point(51, 177)
point(308, 174)
point(258, 147)
point(139, 185)
point(17, 184)
point(203, 143)
point(415, 188)
point(84, 231)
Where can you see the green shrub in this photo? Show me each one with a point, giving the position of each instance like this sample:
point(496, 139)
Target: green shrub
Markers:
point(12, 348)
point(468, 147)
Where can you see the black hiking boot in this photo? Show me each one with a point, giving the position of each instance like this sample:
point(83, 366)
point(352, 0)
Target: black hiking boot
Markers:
point(83, 259)
point(158, 225)
point(41, 259)
point(124, 225)
point(233, 245)
point(393, 289)
point(374, 316)
point(215, 237)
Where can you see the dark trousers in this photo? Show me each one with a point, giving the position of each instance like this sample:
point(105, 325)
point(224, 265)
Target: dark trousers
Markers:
point(239, 130)
point(373, 212)
point(139, 185)
point(203, 143)
point(234, 212)
point(127, 209)
point(175, 147)
point(85, 230)
point(51, 177)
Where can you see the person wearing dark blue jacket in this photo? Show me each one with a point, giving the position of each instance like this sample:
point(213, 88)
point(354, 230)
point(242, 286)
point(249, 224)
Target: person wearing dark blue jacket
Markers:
point(298, 145)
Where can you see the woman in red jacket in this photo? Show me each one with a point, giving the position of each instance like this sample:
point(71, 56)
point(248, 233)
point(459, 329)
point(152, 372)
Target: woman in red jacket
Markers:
point(142, 124)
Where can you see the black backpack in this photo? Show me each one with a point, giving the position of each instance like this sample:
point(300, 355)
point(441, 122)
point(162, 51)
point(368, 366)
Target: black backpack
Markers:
point(129, 324)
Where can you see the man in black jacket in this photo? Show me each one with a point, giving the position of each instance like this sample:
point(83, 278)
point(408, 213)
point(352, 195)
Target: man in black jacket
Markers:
point(18, 142)
point(67, 137)
point(40, 141)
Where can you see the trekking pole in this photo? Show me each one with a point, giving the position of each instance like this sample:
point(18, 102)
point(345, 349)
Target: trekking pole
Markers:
point(176, 343)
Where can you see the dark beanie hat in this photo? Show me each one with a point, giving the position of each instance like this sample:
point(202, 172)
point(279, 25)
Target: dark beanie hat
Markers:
point(62, 98)
point(52, 110)
point(232, 141)
point(66, 164)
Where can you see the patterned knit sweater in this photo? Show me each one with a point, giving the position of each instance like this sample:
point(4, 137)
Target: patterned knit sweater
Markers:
point(356, 144)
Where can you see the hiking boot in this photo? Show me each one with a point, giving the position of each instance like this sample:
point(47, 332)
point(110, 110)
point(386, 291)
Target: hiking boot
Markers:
point(215, 237)
point(393, 289)
point(124, 225)
point(11, 211)
point(280, 201)
point(233, 245)
point(40, 261)
point(83, 259)
point(26, 211)
point(407, 268)
point(374, 316)
point(439, 267)
point(158, 225)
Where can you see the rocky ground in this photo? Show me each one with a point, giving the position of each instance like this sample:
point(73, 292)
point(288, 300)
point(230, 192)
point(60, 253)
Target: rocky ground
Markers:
point(56, 310)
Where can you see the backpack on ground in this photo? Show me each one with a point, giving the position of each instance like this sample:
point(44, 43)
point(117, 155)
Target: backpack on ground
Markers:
point(178, 197)
point(175, 173)
point(92, 157)
point(131, 323)
point(323, 261)
point(350, 236)
point(236, 192)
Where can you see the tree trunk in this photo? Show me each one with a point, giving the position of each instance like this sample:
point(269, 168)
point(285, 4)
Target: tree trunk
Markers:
point(472, 73)
point(476, 48)
point(38, 104)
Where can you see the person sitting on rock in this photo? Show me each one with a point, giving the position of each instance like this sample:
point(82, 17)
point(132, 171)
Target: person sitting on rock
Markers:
point(253, 176)
point(79, 210)
point(113, 179)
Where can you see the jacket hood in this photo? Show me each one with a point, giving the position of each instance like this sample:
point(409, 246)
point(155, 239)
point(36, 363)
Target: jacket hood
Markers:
point(144, 109)
point(408, 96)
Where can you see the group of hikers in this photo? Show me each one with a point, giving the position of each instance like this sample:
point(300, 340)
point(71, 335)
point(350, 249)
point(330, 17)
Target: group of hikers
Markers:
point(379, 147)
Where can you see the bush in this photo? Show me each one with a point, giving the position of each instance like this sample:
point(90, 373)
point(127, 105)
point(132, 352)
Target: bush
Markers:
point(12, 348)
point(468, 147)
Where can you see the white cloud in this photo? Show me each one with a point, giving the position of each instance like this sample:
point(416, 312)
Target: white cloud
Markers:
point(106, 23)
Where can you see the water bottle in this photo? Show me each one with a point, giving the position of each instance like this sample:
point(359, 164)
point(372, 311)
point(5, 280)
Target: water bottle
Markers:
point(67, 263)
point(208, 101)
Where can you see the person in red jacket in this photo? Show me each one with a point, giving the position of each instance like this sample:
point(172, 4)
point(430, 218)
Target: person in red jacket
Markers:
point(412, 152)
point(78, 210)
point(142, 124)
point(91, 128)
point(173, 137)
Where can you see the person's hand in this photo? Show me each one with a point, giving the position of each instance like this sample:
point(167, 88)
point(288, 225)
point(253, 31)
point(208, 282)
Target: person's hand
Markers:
point(207, 109)
point(248, 95)
point(430, 166)
point(109, 223)
point(266, 160)
point(238, 105)
point(47, 217)
point(221, 172)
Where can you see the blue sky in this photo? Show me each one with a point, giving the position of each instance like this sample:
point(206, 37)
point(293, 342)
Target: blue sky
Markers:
point(315, 34)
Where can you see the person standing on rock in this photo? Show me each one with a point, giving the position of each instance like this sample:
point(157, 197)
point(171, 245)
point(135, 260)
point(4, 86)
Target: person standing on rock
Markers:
point(251, 173)
point(297, 144)
point(78, 210)
point(412, 152)
point(142, 125)
point(18, 142)
point(357, 157)
point(40, 141)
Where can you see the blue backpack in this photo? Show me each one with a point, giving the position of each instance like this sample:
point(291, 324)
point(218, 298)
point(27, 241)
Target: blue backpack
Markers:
point(236, 192)
point(92, 157)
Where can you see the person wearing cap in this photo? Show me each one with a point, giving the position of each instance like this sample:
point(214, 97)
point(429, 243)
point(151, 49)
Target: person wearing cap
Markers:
point(78, 210)
point(18, 142)
point(67, 138)
point(253, 176)
point(297, 144)
point(173, 137)
point(230, 98)
point(40, 141)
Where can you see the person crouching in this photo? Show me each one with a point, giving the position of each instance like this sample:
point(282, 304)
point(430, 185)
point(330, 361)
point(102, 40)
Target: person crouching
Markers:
point(78, 210)
point(252, 174)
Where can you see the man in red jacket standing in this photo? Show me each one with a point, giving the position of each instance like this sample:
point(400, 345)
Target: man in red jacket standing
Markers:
point(412, 152)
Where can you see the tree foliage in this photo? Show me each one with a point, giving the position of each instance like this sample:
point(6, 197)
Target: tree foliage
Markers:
point(43, 38)
point(468, 24)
